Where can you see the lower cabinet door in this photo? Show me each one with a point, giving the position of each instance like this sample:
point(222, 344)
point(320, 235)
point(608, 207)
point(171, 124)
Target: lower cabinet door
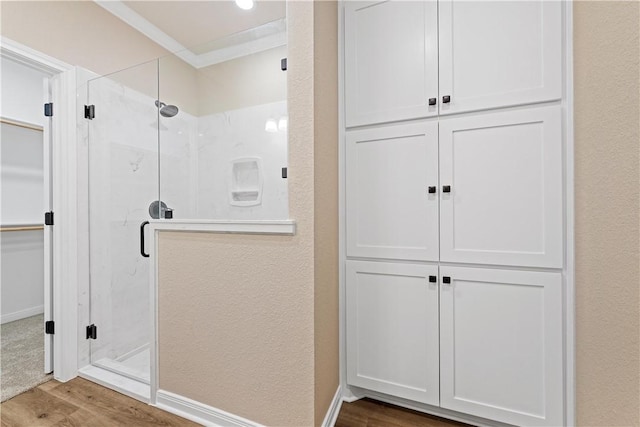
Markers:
point(501, 345)
point(392, 329)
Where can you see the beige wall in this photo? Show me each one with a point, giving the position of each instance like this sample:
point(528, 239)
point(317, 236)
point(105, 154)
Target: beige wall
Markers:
point(326, 316)
point(243, 82)
point(270, 352)
point(606, 52)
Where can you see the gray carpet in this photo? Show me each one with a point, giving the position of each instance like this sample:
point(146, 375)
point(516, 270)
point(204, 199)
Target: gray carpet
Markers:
point(22, 356)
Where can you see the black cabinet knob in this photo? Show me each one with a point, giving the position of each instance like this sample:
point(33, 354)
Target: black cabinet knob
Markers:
point(446, 189)
point(432, 101)
point(446, 99)
point(446, 279)
point(433, 279)
point(432, 190)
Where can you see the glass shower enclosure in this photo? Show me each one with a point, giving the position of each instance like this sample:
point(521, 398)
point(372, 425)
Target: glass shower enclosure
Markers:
point(171, 142)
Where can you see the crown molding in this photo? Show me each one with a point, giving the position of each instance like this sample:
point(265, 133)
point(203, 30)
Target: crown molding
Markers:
point(134, 20)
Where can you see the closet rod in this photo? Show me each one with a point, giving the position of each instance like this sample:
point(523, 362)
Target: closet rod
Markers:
point(26, 227)
point(18, 123)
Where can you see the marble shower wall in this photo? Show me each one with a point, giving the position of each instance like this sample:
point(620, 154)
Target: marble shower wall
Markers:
point(238, 134)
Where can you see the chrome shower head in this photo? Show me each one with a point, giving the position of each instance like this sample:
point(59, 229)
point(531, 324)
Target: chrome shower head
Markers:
point(166, 110)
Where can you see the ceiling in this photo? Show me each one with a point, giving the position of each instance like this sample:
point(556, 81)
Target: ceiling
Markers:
point(193, 28)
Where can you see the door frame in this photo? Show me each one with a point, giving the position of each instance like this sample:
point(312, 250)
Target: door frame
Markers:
point(64, 294)
point(350, 394)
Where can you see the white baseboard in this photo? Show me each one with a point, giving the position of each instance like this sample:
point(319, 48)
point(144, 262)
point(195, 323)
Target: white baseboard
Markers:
point(334, 409)
point(199, 412)
point(22, 314)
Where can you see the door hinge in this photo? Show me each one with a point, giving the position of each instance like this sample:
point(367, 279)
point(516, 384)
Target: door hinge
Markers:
point(48, 218)
point(283, 64)
point(48, 109)
point(89, 112)
point(92, 332)
point(49, 327)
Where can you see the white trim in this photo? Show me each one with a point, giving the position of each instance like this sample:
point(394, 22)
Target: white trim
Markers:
point(342, 252)
point(117, 382)
point(334, 409)
point(199, 412)
point(287, 227)
point(131, 18)
point(65, 230)
point(216, 56)
point(22, 314)
point(65, 294)
point(31, 58)
point(236, 51)
point(570, 320)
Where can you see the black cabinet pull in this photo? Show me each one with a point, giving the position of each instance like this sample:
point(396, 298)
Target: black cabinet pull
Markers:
point(432, 190)
point(446, 189)
point(446, 99)
point(142, 252)
point(446, 279)
point(432, 101)
point(433, 279)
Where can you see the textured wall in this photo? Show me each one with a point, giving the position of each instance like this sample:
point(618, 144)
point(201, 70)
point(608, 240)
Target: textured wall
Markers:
point(256, 359)
point(326, 328)
point(606, 88)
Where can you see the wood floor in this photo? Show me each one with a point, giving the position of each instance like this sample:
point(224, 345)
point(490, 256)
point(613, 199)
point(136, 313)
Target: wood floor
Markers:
point(84, 404)
point(81, 403)
point(371, 413)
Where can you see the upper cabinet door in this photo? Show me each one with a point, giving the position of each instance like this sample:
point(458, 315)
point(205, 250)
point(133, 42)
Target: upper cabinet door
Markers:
point(499, 53)
point(504, 172)
point(392, 199)
point(391, 54)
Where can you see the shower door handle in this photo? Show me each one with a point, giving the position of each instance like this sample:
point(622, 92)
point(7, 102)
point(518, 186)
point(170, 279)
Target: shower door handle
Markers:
point(142, 239)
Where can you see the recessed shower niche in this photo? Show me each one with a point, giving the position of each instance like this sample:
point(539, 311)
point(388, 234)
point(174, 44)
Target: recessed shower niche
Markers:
point(170, 137)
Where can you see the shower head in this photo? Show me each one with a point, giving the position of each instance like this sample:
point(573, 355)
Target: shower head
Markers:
point(167, 110)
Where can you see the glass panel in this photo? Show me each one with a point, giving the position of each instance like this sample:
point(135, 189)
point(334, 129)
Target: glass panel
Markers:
point(223, 131)
point(123, 182)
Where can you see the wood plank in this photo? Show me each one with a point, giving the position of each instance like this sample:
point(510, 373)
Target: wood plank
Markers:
point(82, 403)
point(113, 406)
point(36, 408)
point(371, 413)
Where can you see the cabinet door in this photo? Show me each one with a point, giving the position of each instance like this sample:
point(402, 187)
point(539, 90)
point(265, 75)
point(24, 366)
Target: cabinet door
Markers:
point(499, 53)
point(501, 345)
point(391, 54)
point(505, 175)
point(392, 329)
point(390, 212)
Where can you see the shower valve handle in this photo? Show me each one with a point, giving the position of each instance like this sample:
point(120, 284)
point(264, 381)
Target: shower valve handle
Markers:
point(142, 252)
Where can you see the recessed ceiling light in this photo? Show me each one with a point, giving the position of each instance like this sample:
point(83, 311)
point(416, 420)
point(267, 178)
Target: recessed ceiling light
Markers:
point(245, 4)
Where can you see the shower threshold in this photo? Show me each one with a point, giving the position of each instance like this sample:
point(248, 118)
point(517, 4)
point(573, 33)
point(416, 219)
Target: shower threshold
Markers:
point(116, 380)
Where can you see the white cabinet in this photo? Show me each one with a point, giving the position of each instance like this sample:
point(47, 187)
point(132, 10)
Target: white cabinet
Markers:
point(499, 53)
point(390, 212)
point(504, 171)
point(391, 60)
point(501, 345)
point(454, 162)
point(392, 329)
point(403, 58)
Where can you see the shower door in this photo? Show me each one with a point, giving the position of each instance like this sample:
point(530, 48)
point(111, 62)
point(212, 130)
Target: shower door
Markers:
point(123, 183)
